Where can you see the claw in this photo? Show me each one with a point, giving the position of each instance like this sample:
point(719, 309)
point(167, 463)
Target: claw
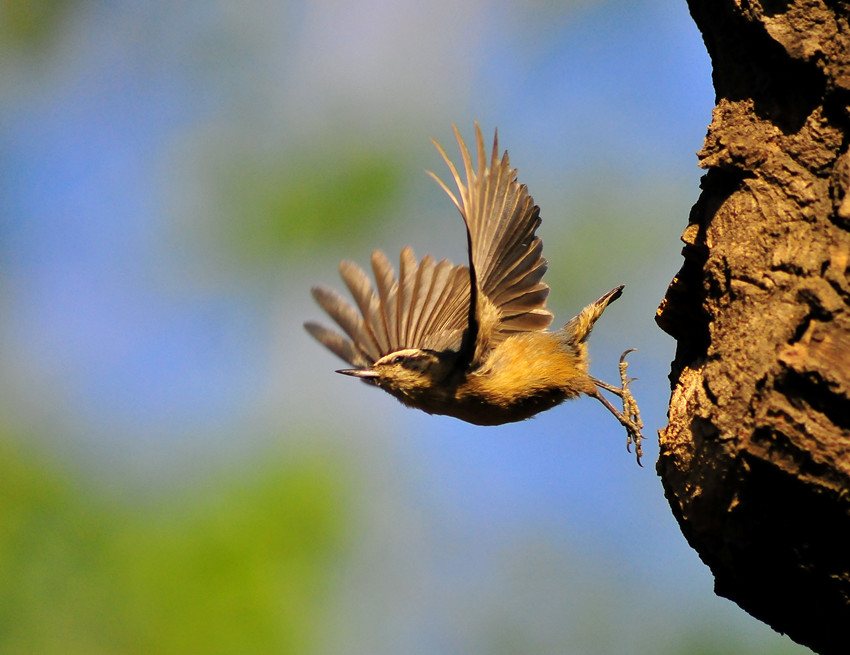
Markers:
point(630, 409)
point(630, 416)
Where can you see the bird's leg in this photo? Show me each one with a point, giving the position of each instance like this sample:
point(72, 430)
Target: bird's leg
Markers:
point(630, 407)
point(630, 416)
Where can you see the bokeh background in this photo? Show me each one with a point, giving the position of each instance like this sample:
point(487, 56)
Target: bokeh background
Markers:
point(180, 469)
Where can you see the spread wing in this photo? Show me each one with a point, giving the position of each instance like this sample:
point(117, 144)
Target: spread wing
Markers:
point(426, 307)
point(441, 306)
point(506, 259)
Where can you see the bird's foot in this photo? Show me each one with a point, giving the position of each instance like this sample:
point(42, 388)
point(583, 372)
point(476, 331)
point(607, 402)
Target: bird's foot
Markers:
point(631, 413)
point(630, 416)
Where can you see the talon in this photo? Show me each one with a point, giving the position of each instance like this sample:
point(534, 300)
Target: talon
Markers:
point(630, 409)
point(630, 416)
point(623, 356)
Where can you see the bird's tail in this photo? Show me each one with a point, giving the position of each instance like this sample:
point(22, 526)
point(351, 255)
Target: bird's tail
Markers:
point(577, 329)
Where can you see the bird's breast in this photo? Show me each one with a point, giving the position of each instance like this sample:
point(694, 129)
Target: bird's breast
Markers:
point(525, 374)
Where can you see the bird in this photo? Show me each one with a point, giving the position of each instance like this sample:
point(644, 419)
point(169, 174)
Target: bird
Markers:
point(471, 341)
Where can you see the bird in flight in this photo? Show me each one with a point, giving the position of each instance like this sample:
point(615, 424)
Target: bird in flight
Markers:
point(470, 341)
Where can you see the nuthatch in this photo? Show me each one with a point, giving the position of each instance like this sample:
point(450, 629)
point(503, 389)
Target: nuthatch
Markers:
point(471, 341)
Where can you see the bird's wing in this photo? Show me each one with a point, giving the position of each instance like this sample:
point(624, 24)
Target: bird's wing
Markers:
point(441, 306)
point(506, 261)
point(425, 307)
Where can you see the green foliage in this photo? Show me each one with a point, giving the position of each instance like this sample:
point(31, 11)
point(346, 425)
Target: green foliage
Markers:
point(239, 566)
point(31, 22)
point(280, 206)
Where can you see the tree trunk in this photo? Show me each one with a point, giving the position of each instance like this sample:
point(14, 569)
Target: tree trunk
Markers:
point(755, 460)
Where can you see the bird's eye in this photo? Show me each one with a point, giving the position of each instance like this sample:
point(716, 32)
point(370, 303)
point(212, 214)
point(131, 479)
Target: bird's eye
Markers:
point(398, 359)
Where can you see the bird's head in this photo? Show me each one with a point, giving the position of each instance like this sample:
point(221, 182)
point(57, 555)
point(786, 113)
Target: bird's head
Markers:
point(407, 373)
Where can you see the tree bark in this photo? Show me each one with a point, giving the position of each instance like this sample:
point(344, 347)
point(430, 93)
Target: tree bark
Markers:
point(755, 459)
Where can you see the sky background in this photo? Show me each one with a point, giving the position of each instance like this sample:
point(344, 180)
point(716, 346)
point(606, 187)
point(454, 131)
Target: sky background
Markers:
point(183, 470)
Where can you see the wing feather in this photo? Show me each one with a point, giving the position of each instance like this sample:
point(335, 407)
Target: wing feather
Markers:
point(440, 308)
point(406, 289)
point(501, 219)
point(338, 344)
point(346, 317)
point(387, 296)
point(421, 294)
point(361, 289)
point(428, 306)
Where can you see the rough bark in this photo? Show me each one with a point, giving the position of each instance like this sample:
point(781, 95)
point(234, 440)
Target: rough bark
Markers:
point(755, 460)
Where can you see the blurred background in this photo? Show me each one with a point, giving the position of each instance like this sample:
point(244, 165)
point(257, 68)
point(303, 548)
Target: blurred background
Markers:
point(180, 469)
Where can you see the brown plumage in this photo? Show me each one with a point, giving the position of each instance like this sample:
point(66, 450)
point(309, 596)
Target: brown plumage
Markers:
point(471, 341)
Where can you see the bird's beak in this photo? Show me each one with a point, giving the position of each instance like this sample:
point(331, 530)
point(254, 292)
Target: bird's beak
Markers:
point(362, 373)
